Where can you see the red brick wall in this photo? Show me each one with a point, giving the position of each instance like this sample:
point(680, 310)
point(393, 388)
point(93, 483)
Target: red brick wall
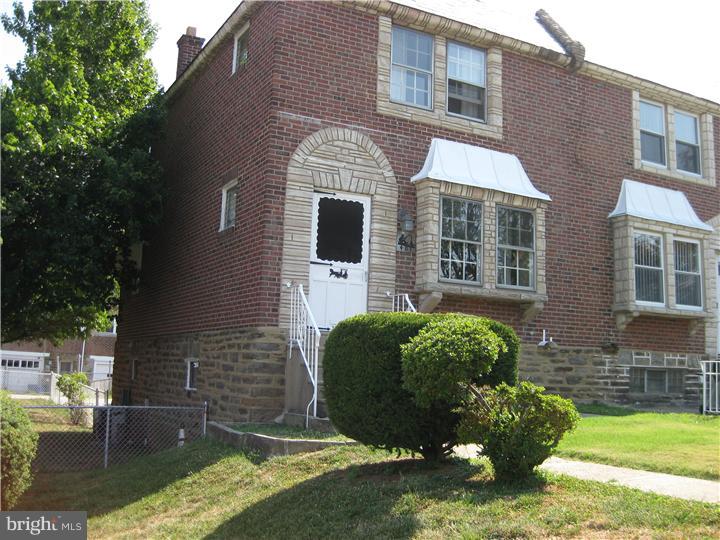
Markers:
point(573, 134)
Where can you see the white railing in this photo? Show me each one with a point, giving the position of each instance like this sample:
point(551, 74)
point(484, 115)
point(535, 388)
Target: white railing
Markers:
point(401, 302)
point(710, 386)
point(305, 334)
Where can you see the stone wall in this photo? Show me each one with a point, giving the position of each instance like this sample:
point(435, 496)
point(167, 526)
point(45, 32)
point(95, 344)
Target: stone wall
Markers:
point(592, 375)
point(241, 372)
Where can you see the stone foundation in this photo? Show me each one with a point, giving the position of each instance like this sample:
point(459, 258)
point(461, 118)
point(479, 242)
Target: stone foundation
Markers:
point(592, 375)
point(241, 373)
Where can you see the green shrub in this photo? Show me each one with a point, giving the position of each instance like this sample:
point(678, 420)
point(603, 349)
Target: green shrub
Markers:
point(19, 445)
point(364, 391)
point(517, 427)
point(505, 368)
point(71, 386)
point(446, 356)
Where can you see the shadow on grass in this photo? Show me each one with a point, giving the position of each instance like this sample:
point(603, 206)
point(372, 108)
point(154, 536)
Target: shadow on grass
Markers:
point(606, 410)
point(99, 491)
point(379, 500)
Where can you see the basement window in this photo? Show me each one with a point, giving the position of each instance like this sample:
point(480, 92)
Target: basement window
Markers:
point(656, 381)
point(191, 368)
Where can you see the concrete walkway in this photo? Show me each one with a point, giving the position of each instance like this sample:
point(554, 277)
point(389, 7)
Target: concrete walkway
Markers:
point(682, 487)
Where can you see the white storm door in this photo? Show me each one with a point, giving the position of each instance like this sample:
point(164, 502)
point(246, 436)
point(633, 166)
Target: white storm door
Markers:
point(339, 256)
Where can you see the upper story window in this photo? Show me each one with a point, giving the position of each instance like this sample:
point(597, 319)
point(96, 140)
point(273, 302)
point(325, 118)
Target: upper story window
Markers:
point(229, 205)
point(652, 133)
point(515, 247)
point(240, 48)
point(466, 81)
point(461, 240)
point(688, 277)
point(672, 141)
point(412, 67)
point(649, 268)
point(687, 143)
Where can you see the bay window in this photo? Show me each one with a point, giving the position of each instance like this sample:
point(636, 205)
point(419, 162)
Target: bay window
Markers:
point(688, 278)
point(515, 247)
point(461, 240)
point(649, 282)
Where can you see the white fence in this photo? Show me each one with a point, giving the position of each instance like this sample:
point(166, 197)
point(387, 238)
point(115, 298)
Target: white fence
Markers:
point(44, 385)
point(25, 381)
point(711, 386)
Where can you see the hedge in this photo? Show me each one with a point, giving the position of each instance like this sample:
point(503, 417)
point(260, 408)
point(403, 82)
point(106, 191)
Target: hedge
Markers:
point(19, 445)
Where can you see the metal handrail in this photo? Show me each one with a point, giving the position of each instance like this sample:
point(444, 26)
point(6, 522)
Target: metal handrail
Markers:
point(710, 386)
point(304, 333)
point(401, 302)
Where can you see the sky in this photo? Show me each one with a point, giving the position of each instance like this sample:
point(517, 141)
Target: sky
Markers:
point(665, 41)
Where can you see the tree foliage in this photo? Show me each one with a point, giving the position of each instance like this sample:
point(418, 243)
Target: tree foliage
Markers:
point(80, 186)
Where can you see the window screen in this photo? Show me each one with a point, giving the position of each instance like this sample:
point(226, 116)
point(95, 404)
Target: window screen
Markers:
point(339, 230)
point(466, 80)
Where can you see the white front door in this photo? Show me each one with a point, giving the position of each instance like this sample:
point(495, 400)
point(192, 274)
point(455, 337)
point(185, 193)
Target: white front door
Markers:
point(339, 257)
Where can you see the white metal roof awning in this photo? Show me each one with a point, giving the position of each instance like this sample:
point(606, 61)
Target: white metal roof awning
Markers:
point(658, 204)
point(479, 167)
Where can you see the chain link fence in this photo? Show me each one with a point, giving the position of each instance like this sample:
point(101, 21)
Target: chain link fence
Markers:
point(88, 437)
point(24, 381)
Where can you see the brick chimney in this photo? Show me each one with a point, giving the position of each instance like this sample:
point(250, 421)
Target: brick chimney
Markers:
point(189, 46)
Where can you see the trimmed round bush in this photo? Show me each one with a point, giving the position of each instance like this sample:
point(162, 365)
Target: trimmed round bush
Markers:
point(517, 427)
point(363, 383)
point(19, 445)
point(446, 356)
point(364, 389)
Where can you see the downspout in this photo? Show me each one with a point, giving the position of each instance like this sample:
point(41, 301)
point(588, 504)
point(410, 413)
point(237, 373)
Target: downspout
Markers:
point(574, 49)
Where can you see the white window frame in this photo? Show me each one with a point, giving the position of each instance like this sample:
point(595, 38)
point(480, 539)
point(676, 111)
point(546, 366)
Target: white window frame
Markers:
point(662, 268)
point(431, 82)
point(242, 33)
point(188, 364)
point(664, 134)
point(224, 208)
point(699, 273)
point(482, 120)
point(533, 251)
point(698, 144)
point(480, 245)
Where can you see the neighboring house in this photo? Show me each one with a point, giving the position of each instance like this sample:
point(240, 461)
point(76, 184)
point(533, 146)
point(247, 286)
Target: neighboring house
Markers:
point(366, 148)
point(94, 355)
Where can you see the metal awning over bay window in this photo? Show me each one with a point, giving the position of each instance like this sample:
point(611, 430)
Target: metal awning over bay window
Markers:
point(659, 244)
point(475, 166)
point(481, 226)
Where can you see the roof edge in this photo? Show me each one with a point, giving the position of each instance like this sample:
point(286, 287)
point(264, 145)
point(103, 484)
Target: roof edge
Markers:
point(442, 25)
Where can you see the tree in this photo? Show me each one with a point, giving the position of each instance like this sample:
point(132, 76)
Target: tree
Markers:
point(80, 186)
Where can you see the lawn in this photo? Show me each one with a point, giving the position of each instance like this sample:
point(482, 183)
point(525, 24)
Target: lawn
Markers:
point(209, 490)
point(50, 419)
point(675, 443)
point(289, 432)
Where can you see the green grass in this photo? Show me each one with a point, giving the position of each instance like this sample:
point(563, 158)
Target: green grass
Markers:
point(208, 490)
point(675, 443)
point(289, 432)
point(50, 419)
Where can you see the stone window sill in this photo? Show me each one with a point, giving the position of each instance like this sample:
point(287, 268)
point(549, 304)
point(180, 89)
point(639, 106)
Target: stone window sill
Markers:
point(674, 173)
point(626, 313)
point(532, 302)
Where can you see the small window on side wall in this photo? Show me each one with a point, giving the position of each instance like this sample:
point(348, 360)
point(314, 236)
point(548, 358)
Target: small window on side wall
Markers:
point(191, 368)
point(229, 205)
point(240, 48)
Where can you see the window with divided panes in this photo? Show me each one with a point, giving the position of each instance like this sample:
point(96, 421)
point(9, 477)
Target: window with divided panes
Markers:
point(412, 67)
point(461, 240)
point(649, 283)
point(688, 277)
point(466, 81)
point(515, 247)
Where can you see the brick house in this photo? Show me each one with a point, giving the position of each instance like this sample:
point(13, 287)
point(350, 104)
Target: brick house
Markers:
point(372, 149)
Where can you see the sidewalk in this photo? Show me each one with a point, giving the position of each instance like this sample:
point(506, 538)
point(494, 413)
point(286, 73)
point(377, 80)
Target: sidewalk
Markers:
point(682, 487)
